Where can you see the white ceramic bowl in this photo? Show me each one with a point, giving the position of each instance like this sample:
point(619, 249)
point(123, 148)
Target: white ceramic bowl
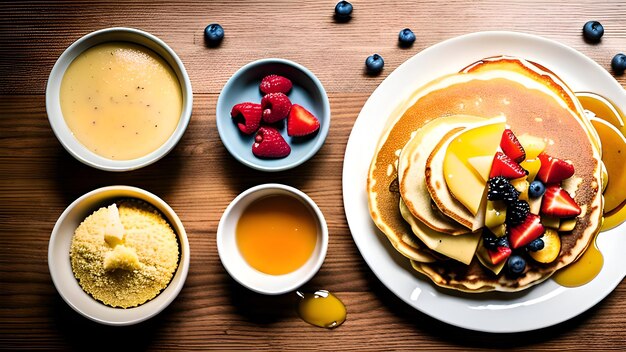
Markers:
point(53, 104)
point(61, 268)
point(237, 266)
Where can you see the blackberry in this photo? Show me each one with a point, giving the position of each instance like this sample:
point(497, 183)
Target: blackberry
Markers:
point(490, 241)
point(501, 189)
point(502, 242)
point(517, 211)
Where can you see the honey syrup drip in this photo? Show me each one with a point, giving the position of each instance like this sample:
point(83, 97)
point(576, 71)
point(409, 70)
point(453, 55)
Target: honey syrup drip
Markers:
point(583, 270)
point(321, 308)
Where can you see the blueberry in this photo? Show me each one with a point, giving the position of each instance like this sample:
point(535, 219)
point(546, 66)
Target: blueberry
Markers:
point(213, 34)
point(618, 64)
point(536, 189)
point(343, 11)
point(516, 264)
point(406, 37)
point(536, 245)
point(502, 242)
point(490, 241)
point(374, 64)
point(593, 31)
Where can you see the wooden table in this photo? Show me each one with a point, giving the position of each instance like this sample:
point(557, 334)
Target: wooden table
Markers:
point(38, 178)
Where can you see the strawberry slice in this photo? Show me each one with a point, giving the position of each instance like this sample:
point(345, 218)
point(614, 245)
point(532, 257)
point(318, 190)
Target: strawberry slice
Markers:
point(554, 170)
point(301, 122)
point(504, 166)
point(511, 146)
point(247, 116)
point(558, 203)
point(499, 254)
point(526, 232)
point(268, 143)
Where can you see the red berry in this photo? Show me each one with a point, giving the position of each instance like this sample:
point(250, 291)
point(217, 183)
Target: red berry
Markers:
point(526, 232)
point(301, 122)
point(558, 203)
point(504, 166)
point(247, 116)
point(275, 107)
point(512, 147)
point(499, 254)
point(553, 170)
point(268, 143)
point(275, 84)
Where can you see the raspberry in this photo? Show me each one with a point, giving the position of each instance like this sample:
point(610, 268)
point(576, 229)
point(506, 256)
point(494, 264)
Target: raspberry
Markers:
point(268, 143)
point(247, 116)
point(275, 107)
point(275, 84)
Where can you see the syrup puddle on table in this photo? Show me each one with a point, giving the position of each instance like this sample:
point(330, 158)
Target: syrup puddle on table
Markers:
point(321, 308)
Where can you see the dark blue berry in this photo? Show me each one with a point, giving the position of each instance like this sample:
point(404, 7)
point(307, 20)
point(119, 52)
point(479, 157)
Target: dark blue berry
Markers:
point(618, 64)
point(490, 241)
point(213, 34)
point(536, 245)
point(374, 64)
point(406, 37)
point(516, 264)
point(536, 189)
point(343, 11)
point(593, 31)
point(502, 242)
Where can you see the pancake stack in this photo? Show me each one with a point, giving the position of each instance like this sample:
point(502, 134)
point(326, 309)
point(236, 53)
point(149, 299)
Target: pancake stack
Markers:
point(434, 166)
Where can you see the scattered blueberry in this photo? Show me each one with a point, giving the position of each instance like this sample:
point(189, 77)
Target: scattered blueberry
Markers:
point(536, 245)
point(343, 11)
point(593, 31)
point(516, 264)
point(213, 34)
point(618, 64)
point(536, 189)
point(406, 37)
point(374, 64)
point(490, 241)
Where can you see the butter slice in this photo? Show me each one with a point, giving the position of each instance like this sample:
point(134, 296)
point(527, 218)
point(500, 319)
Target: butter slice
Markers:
point(114, 229)
point(459, 247)
point(121, 257)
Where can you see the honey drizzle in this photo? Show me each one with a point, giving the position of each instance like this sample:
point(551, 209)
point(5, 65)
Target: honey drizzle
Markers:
point(321, 308)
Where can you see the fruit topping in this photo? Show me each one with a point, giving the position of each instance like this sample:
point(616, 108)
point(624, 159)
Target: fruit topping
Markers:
point(275, 107)
point(551, 248)
point(558, 203)
point(301, 122)
point(532, 166)
point(495, 213)
point(593, 31)
point(554, 170)
point(343, 11)
point(374, 64)
point(521, 185)
point(618, 63)
point(517, 211)
point(512, 147)
point(406, 37)
point(526, 232)
point(490, 241)
point(498, 251)
point(501, 189)
point(268, 143)
point(516, 265)
point(536, 245)
point(505, 166)
point(550, 221)
point(533, 146)
point(275, 84)
point(536, 189)
point(567, 225)
point(213, 34)
point(247, 116)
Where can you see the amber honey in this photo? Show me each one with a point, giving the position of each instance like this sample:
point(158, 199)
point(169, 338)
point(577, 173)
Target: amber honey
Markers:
point(321, 308)
point(276, 235)
point(582, 271)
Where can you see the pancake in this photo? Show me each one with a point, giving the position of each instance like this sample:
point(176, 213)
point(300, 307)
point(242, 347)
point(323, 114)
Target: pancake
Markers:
point(412, 173)
point(533, 103)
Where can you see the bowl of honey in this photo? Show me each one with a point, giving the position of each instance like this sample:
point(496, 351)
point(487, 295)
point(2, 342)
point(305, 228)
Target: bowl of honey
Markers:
point(272, 238)
point(119, 99)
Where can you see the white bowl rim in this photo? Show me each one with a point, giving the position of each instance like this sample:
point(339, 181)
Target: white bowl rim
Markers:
point(272, 284)
point(128, 316)
point(77, 149)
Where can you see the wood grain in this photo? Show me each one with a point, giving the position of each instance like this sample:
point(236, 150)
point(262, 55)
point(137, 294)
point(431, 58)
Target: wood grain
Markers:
point(38, 179)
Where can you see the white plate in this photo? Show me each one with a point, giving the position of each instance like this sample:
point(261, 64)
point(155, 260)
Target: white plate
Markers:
point(537, 307)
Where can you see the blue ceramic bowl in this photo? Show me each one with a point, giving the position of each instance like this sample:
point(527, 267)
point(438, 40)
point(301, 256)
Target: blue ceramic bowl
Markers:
point(243, 86)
